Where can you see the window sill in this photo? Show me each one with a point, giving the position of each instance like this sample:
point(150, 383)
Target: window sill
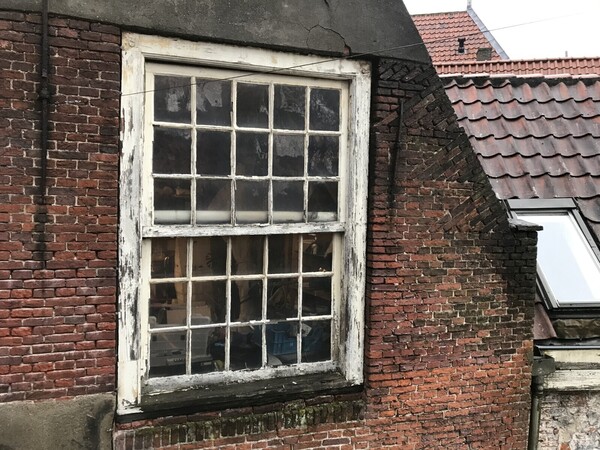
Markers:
point(236, 395)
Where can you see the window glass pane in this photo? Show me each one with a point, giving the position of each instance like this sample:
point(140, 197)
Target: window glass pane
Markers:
point(209, 300)
point(210, 256)
point(282, 343)
point(244, 353)
point(167, 304)
point(318, 251)
point(171, 150)
point(251, 201)
point(172, 99)
point(323, 155)
point(289, 107)
point(282, 298)
point(250, 292)
point(325, 109)
point(252, 151)
point(171, 201)
point(316, 341)
point(283, 253)
point(252, 105)
point(288, 201)
point(202, 361)
point(168, 257)
point(213, 153)
point(216, 350)
point(566, 260)
point(167, 354)
point(213, 102)
point(213, 201)
point(247, 255)
point(204, 297)
point(288, 155)
point(316, 296)
point(322, 201)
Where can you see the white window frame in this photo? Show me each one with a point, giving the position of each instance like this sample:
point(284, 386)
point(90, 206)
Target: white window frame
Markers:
point(529, 210)
point(138, 52)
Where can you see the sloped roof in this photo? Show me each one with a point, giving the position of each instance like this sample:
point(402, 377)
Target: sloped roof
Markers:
point(440, 33)
point(547, 67)
point(535, 137)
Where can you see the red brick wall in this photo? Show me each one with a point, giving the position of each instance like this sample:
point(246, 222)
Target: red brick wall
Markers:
point(449, 293)
point(57, 325)
point(449, 304)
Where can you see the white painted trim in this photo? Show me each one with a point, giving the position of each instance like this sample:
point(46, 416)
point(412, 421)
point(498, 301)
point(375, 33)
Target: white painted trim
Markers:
point(573, 380)
point(138, 50)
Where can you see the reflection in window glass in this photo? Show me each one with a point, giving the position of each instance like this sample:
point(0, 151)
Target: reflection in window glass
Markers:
point(322, 201)
point(251, 201)
point(325, 109)
point(213, 102)
point(213, 201)
point(288, 201)
point(316, 340)
point(171, 201)
point(318, 251)
point(569, 267)
point(172, 96)
point(247, 255)
point(282, 298)
point(283, 253)
point(252, 105)
point(213, 153)
point(209, 256)
point(252, 150)
point(289, 107)
point(323, 155)
point(171, 150)
point(288, 155)
point(167, 304)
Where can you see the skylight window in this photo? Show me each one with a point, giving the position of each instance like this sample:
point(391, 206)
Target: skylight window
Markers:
point(568, 265)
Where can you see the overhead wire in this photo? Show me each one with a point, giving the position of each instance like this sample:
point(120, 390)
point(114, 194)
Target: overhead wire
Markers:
point(353, 56)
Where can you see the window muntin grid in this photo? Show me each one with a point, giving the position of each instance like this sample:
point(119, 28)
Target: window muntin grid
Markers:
point(241, 302)
point(216, 164)
point(291, 175)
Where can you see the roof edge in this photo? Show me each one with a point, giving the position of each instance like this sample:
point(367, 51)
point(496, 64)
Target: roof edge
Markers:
point(487, 33)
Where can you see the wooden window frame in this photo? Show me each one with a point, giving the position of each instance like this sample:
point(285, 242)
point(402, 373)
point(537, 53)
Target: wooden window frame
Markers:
point(141, 52)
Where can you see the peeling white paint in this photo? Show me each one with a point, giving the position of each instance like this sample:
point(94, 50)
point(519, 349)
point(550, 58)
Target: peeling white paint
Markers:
point(136, 216)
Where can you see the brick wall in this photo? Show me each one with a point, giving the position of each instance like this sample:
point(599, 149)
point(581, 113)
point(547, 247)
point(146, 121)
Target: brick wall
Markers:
point(57, 324)
point(449, 293)
point(449, 297)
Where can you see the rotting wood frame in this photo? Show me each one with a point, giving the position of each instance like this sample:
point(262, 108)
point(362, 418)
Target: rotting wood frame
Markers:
point(140, 52)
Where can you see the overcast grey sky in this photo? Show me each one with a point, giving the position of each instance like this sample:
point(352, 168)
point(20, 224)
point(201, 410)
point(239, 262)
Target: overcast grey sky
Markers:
point(531, 28)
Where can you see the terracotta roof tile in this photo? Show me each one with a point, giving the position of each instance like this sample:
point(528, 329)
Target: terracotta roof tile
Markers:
point(535, 137)
point(440, 33)
point(556, 66)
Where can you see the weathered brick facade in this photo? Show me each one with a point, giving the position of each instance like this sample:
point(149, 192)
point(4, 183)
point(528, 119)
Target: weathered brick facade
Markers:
point(449, 288)
point(58, 306)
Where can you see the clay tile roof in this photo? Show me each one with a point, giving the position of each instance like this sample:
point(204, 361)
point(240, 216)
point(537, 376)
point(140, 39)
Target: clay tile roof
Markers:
point(547, 67)
point(535, 137)
point(440, 33)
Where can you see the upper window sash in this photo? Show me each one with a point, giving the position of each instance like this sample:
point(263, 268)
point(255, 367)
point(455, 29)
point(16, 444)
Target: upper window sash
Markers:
point(312, 194)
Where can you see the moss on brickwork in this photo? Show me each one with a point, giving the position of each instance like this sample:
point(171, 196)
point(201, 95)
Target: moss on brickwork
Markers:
point(296, 415)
